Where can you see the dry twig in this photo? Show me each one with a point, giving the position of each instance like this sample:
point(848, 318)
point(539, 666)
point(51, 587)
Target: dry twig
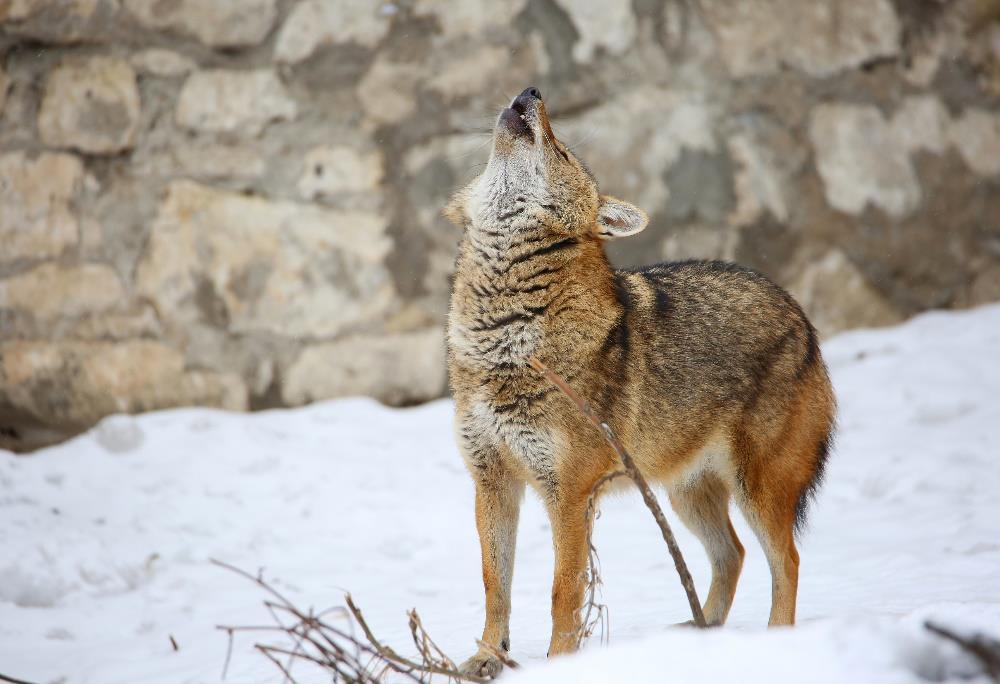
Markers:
point(633, 472)
point(12, 680)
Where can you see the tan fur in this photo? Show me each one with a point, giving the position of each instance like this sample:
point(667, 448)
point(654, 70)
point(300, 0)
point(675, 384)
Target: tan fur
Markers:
point(710, 375)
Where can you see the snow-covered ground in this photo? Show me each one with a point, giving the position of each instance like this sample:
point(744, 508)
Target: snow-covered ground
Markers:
point(105, 540)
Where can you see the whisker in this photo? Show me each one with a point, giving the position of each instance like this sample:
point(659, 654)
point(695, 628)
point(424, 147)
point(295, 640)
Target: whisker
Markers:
point(477, 131)
point(468, 153)
point(587, 137)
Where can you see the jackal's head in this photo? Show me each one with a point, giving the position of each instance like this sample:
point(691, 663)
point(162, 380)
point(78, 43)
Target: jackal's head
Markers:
point(532, 179)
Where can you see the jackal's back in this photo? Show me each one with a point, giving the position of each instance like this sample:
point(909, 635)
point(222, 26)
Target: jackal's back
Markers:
point(708, 334)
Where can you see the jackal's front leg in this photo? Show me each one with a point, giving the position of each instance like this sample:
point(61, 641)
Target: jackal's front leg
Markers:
point(569, 537)
point(498, 503)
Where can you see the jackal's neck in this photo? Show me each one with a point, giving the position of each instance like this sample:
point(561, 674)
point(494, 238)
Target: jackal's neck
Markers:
point(517, 292)
point(500, 246)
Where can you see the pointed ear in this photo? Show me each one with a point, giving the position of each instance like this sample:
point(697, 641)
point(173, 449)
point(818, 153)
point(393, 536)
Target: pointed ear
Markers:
point(456, 210)
point(616, 219)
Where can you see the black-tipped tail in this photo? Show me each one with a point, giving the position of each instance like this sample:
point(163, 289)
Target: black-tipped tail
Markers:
point(819, 472)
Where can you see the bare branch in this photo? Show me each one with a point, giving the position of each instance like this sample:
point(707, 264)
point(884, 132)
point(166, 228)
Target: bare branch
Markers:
point(633, 472)
point(257, 579)
point(390, 655)
point(229, 651)
point(12, 680)
point(430, 651)
point(267, 653)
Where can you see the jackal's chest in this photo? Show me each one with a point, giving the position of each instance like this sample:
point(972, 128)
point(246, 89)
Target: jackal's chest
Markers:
point(489, 429)
point(485, 334)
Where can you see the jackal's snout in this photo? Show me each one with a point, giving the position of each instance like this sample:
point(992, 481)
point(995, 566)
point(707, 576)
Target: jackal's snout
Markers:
point(523, 119)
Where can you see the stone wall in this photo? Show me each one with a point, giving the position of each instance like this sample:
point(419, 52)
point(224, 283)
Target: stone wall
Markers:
point(236, 203)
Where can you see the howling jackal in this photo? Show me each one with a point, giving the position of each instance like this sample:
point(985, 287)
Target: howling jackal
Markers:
point(709, 373)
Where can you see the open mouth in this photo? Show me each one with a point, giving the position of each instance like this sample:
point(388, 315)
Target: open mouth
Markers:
point(515, 118)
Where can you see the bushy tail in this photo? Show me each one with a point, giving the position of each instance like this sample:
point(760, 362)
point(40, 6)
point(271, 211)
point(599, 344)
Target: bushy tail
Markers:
point(819, 472)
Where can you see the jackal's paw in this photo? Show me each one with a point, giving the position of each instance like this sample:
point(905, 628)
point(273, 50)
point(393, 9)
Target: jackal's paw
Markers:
point(483, 664)
point(691, 623)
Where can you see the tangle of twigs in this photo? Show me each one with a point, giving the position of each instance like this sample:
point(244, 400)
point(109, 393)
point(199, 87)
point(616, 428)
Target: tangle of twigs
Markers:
point(336, 648)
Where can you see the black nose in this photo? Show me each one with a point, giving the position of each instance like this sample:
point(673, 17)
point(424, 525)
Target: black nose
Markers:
point(532, 92)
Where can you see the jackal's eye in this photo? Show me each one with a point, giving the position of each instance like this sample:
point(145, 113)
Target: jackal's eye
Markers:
point(562, 152)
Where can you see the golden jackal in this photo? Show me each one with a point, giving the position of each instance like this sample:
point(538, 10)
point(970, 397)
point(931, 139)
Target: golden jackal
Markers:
point(709, 373)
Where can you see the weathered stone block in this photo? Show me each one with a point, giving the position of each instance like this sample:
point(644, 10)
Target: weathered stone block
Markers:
point(819, 38)
point(921, 123)
point(759, 183)
point(313, 24)
point(400, 368)
point(62, 22)
point(697, 241)
point(837, 296)
point(225, 101)
point(465, 76)
point(469, 17)
point(218, 23)
point(91, 105)
point(137, 320)
point(861, 159)
point(36, 220)
point(610, 26)
point(330, 170)
point(251, 265)
point(77, 383)
point(212, 161)
point(160, 62)
point(634, 138)
point(976, 135)
point(388, 91)
point(51, 291)
point(986, 286)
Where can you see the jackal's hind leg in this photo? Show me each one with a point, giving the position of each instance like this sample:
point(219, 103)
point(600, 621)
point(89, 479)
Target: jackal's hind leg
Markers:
point(703, 506)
